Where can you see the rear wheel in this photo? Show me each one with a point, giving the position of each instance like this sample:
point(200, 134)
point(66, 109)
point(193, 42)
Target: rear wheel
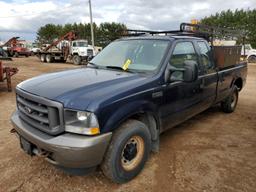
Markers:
point(230, 103)
point(77, 60)
point(252, 59)
point(48, 58)
point(128, 151)
point(42, 57)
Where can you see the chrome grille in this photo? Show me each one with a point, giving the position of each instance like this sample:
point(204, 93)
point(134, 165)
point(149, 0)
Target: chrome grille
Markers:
point(89, 52)
point(40, 113)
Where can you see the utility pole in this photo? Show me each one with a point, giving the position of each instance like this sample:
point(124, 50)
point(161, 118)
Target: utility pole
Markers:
point(92, 34)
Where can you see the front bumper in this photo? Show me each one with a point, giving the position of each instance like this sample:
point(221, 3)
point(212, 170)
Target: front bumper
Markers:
point(66, 150)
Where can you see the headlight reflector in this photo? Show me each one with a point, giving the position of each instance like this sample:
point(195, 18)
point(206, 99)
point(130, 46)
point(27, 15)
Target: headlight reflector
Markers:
point(81, 122)
point(82, 116)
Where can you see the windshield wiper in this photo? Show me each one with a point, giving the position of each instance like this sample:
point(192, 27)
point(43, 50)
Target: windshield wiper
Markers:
point(117, 68)
point(94, 65)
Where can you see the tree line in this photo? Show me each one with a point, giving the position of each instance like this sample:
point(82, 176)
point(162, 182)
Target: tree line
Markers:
point(237, 19)
point(107, 32)
point(104, 33)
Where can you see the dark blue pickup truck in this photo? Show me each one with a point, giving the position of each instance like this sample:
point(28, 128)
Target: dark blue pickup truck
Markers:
point(111, 113)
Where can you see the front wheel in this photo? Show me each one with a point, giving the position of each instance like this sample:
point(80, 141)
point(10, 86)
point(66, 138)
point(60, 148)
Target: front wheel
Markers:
point(128, 151)
point(230, 103)
point(252, 59)
point(77, 60)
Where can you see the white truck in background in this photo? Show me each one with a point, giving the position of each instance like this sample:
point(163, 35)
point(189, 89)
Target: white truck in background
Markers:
point(80, 50)
point(67, 47)
point(249, 53)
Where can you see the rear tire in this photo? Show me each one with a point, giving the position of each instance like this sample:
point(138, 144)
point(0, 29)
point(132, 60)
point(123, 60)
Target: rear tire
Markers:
point(42, 57)
point(77, 59)
point(49, 58)
point(230, 103)
point(128, 151)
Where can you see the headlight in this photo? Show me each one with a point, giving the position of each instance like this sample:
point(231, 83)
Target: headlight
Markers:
point(81, 122)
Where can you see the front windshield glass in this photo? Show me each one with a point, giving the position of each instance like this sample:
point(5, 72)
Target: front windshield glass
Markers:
point(80, 44)
point(138, 55)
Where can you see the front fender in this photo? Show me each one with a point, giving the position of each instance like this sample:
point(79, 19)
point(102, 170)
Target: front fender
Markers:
point(250, 54)
point(125, 111)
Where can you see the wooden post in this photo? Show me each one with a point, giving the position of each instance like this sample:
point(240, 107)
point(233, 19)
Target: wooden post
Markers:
point(1, 72)
point(8, 79)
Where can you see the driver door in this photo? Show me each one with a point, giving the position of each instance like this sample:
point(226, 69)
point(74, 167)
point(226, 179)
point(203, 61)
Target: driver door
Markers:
point(182, 99)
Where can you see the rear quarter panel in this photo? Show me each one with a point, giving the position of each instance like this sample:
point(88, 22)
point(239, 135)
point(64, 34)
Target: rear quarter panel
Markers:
point(227, 78)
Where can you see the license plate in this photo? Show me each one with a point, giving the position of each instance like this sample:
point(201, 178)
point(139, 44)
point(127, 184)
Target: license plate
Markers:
point(26, 146)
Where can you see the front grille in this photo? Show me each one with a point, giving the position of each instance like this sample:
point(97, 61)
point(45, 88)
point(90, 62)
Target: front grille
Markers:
point(40, 113)
point(89, 52)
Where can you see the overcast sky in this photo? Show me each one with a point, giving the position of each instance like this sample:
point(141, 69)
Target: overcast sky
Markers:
point(24, 17)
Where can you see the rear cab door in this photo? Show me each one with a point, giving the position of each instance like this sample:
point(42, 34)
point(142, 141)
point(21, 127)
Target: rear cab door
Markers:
point(208, 74)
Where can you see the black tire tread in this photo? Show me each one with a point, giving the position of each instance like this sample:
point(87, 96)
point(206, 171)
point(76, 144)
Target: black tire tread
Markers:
point(226, 104)
point(107, 165)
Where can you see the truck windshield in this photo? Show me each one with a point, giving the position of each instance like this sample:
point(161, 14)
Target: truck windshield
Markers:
point(132, 55)
point(80, 44)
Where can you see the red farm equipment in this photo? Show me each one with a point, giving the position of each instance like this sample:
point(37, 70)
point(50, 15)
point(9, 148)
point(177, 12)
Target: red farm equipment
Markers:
point(15, 48)
point(6, 73)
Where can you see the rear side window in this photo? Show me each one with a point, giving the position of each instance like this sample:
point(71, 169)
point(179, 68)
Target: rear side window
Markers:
point(205, 55)
point(183, 51)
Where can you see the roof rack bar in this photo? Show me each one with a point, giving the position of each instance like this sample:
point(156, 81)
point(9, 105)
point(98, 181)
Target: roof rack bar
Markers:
point(196, 30)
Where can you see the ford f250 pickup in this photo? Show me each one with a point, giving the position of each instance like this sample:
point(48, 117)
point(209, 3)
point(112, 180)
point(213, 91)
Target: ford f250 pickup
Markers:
point(110, 114)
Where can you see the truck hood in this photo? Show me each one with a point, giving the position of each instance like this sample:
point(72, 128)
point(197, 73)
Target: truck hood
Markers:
point(252, 51)
point(77, 88)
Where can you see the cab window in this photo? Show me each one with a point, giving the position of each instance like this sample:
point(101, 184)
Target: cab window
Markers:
point(183, 51)
point(205, 55)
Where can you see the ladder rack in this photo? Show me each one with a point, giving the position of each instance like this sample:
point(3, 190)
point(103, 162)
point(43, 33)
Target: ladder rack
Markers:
point(195, 30)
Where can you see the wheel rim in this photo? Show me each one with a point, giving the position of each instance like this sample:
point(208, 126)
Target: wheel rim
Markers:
point(233, 100)
point(132, 153)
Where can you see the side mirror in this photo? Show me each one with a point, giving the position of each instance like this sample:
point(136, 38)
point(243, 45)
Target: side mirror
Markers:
point(188, 73)
point(191, 71)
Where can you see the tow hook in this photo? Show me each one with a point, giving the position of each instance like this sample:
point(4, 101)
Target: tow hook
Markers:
point(41, 153)
point(13, 130)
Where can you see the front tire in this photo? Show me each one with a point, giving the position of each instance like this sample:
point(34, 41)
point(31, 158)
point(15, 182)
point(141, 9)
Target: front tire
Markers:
point(77, 60)
point(230, 103)
point(252, 59)
point(128, 151)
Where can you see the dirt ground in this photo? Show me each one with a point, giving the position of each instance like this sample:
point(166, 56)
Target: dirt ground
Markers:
point(211, 152)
